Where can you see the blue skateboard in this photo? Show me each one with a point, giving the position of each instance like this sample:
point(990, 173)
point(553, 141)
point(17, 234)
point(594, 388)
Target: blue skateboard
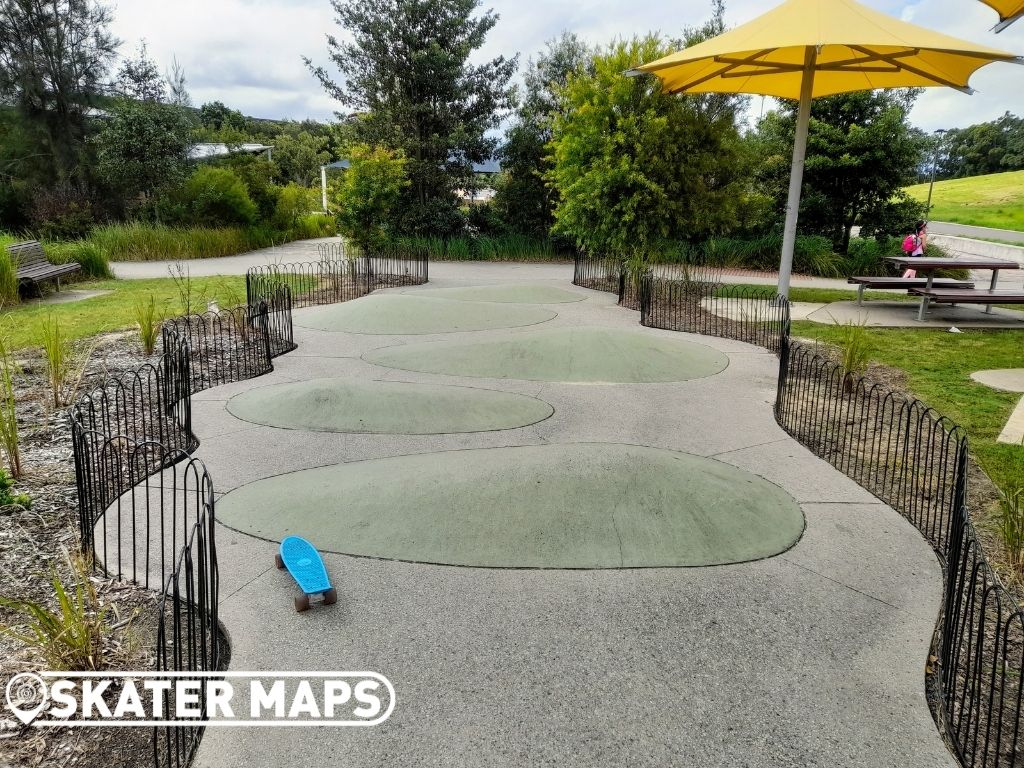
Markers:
point(307, 568)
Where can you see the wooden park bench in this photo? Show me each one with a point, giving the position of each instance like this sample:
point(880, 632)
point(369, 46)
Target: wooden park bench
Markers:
point(32, 266)
point(905, 283)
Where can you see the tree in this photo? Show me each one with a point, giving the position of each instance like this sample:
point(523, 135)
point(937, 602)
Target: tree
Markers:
point(861, 151)
point(140, 78)
point(54, 55)
point(216, 116)
point(142, 147)
point(405, 67)
point(369, 192)
point(991, 147)
point(299, 157)
point(633, 166)
point(177, 90)
point(524, 199)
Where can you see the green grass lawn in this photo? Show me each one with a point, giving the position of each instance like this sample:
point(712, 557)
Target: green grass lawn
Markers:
point(938, 367)
point(996, 200)
point(21, 325)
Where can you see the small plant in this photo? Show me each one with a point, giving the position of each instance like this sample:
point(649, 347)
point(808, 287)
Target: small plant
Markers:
point(57, 348)
point(854, 339)
point(635, 265)
point(148, 320)
point(8, 415)
point(72, 636)
point(8, 499)
point(1011, 523)
point(191, 302)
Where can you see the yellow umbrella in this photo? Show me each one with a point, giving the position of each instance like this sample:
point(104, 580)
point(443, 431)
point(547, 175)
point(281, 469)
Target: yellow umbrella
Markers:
point(808, 48)
point(1009, 11)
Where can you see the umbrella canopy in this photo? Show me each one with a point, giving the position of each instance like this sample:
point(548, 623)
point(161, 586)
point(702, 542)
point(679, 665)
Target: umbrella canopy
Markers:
point(1009, 11)
point(808, 48)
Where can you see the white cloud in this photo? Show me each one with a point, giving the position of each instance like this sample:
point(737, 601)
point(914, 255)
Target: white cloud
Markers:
point(248, 53)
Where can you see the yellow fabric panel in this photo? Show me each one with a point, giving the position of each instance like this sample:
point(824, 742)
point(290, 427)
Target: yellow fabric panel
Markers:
point(857, 48)
point(1007, 9)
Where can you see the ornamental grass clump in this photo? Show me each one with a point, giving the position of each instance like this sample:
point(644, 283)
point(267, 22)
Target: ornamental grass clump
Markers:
point(1011, 524)
point(148, 320)
point(8, 414)
point(57, 350)
point(71, 637)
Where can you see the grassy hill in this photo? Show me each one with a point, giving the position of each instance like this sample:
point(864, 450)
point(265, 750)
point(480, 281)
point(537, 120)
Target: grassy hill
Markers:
point(996, 200)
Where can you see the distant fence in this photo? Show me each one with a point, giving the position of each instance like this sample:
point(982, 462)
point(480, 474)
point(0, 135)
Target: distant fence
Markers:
point(916, 461)
point(339, 275)
point(754, 315)
point(146, 510)
point(616, 275)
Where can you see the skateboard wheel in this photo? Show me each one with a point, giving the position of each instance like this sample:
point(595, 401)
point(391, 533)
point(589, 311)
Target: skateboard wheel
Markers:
point(330, 596)
point(278, 561)
point(302, 603)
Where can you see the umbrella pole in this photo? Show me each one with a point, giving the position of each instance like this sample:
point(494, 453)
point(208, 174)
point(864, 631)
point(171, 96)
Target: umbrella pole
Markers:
point(796, 174)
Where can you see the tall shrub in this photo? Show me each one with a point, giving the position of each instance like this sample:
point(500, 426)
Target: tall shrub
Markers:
point(369, 193)
point(633, 165)
point(216, 197)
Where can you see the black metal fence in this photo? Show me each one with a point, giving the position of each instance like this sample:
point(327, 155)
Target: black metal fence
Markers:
point(916, 461)
point(338, 276)
point(599, 273)
point(620, 276)
point(188, 637)
point(754, 315)
point(146, 510)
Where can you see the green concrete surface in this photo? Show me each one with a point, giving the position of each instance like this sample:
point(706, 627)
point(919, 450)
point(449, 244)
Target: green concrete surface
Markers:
point(400, 315)
point(513, 294)
point(590, 355)
point(383, 407)
point(588, 505)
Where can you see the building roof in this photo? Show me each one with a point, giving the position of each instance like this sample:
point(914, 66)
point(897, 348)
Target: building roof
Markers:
point(488, 166)
point(206, 151)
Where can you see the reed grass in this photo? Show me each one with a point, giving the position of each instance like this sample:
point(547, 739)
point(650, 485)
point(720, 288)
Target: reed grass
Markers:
point(148, 320)
point(8, 410)
point(73, 636)
point(57, 352)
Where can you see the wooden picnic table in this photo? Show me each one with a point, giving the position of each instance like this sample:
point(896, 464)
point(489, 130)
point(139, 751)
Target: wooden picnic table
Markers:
point(928, 266)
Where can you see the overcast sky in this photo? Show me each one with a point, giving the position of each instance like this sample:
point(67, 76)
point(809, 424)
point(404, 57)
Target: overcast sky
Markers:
point(248, 53)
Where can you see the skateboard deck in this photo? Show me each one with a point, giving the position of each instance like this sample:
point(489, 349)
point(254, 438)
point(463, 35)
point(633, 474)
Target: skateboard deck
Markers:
point(307, 568)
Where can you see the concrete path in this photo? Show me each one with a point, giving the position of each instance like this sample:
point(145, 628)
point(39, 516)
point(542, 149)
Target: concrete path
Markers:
point(304, 250)
point(300, 250)
point(965, 230)
point(814, 657)
point(1007, 380)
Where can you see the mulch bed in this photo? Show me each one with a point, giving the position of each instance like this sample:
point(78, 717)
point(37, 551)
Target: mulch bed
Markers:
point(33, 546)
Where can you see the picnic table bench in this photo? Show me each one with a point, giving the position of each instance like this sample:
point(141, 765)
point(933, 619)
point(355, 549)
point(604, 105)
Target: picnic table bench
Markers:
point(929, 266)
point(900, 283)
point(956, 296)
point(29, 259)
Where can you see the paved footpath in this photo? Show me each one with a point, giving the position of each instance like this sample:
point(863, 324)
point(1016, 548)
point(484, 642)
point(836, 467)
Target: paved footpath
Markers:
point(984, 233)
point(304, 250)
point(814, 657)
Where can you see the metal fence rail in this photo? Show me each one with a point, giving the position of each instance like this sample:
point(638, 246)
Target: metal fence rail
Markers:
point(599, 273)
point(188, 637)
point(754, 315)
point(916, 461)
point(146, 510)
point(338, 276)
point(615, 275)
